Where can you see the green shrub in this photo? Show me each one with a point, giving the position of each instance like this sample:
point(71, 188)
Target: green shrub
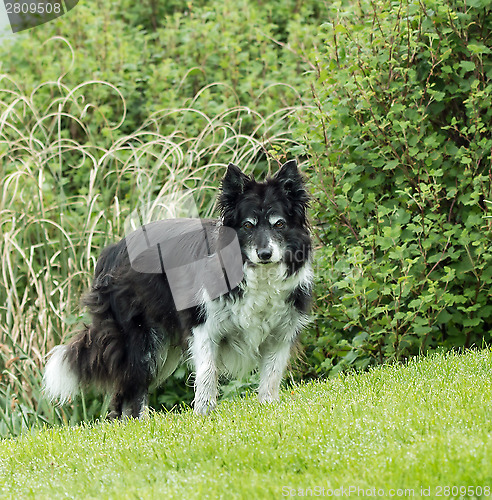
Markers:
point(399, 141)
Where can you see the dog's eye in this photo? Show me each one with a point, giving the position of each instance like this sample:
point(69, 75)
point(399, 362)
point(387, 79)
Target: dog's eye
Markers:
point(279, 224)
point(248, 225)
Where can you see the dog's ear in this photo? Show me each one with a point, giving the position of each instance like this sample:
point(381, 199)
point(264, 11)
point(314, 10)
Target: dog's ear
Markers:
point(231, 188)
point(292, 184)
point(289, 173)
point(234, 180)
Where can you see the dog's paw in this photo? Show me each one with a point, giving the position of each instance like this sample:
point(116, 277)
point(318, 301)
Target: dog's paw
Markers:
point(204, 408)
point(268, 398)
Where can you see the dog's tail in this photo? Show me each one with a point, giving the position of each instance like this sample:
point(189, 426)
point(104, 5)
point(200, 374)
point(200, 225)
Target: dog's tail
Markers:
point(75, 365)
point(95, 355)
point(61, 380)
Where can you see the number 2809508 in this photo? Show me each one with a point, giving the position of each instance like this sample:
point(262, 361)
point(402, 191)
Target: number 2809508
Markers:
point(33, 8)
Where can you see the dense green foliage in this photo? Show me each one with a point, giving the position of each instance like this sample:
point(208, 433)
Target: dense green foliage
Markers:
point(386, 104)
point(423, 425)
point(400, 146)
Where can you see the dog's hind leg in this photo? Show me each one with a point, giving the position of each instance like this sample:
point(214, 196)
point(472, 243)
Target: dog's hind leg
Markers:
point(134, 372)
point(129, 402)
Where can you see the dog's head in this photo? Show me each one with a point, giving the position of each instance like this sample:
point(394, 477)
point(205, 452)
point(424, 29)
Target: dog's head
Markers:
point(269, 217)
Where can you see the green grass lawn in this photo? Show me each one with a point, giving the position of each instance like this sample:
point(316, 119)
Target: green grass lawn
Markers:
point(423, 425)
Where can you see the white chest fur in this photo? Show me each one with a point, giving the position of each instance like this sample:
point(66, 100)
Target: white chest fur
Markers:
point(262, 315)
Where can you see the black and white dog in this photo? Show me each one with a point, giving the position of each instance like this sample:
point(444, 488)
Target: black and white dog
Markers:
point(138, 336)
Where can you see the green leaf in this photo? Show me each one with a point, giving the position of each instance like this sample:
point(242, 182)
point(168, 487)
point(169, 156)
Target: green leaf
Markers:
point(467, 65)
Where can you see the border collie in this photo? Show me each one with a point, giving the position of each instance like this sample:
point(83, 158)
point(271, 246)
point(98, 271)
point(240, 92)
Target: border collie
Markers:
point(138, 335)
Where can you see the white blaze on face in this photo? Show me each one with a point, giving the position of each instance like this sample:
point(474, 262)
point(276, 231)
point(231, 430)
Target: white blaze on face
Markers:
point(277, 250)
point(273, 245)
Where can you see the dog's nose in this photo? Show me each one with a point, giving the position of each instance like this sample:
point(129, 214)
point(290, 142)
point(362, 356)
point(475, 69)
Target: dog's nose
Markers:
point(264, 254)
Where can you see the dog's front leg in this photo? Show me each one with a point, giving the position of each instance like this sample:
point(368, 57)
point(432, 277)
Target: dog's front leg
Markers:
point(204, 355)
point(274, 359)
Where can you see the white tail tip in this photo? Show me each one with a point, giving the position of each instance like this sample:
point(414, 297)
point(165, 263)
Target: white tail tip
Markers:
point(59, 380)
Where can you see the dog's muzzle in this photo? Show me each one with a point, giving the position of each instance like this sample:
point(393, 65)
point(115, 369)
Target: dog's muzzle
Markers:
point(264, 254)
